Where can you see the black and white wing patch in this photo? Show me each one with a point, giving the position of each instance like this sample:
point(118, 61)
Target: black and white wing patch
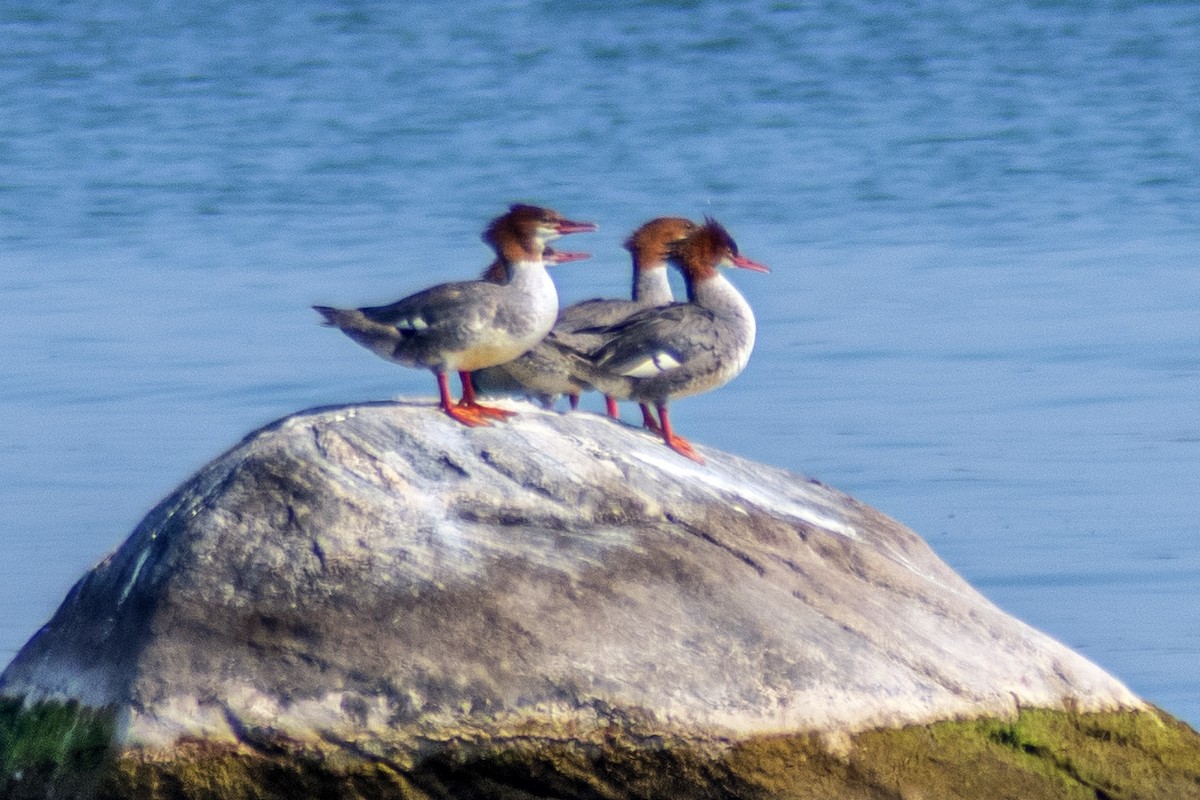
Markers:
point(653, 364)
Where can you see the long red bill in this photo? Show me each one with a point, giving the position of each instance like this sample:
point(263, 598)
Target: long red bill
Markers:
point(552, 256)
point(753, 266)
point(565, 226)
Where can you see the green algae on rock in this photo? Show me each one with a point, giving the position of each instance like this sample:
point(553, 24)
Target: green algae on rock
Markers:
point(1038, 755)
point(52, 744)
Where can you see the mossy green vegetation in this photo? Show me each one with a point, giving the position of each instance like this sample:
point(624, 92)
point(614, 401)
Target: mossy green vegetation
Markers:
point(51, 744)
point(1038, 754)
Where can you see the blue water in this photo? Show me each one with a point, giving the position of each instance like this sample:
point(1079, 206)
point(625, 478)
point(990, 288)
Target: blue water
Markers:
point(983, 220)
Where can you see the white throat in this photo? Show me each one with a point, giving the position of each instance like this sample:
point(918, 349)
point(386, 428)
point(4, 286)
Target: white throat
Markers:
point(530, 280)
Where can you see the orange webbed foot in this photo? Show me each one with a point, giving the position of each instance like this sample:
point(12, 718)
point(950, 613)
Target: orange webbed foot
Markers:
point(677, 443)
point(683, 447)
point(487, 412)
point(467, 416)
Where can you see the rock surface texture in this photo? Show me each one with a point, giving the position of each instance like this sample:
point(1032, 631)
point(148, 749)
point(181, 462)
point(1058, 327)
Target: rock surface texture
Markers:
point(379, 584)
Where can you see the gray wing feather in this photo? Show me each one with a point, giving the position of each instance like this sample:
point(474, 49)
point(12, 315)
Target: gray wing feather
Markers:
point(673, 330)
point(447, 313)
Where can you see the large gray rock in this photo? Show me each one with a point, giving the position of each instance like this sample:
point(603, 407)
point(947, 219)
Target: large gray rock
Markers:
point(378, 578)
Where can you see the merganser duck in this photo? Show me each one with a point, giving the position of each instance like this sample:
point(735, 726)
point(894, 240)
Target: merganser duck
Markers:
point(557, 365)
point(469, 325)
point(498, 379)
point(682, 349)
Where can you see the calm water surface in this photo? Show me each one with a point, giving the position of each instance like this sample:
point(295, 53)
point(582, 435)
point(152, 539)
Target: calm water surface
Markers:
point(983, 219)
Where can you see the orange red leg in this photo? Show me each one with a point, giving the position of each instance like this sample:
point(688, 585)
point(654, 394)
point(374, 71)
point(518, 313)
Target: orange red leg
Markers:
point(676, 443)
point(467, 416)
point(610, 407)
